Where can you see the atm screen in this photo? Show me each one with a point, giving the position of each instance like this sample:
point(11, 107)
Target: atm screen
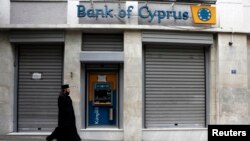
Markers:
point(103, 94)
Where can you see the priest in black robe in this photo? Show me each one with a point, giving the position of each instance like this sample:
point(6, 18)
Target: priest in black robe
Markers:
point(66, 130)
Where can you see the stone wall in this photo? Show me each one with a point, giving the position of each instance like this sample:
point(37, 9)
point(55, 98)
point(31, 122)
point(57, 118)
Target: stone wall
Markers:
point(232, 88)
point(6, 84)
point(132, 114)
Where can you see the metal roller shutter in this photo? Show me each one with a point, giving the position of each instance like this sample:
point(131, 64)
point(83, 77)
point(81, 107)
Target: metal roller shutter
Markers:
point(177, 37)
point(34, 36)
point(102, 42)
point(37, 98)
point(174, 86)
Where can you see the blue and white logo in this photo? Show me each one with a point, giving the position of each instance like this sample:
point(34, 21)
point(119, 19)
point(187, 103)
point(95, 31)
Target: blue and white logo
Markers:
point(204, 14)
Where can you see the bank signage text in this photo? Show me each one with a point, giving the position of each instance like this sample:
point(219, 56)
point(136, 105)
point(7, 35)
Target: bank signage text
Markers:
point(148, 14)
point(144, 12)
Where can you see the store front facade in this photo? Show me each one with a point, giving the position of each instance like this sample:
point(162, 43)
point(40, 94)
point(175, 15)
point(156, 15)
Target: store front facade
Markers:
point(137, 70)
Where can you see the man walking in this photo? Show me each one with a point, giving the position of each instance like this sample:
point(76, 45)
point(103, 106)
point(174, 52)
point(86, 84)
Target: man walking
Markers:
point(66, 130)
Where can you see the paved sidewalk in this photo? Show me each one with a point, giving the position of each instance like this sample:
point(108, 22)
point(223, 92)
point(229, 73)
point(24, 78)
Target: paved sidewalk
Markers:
point(21, 138)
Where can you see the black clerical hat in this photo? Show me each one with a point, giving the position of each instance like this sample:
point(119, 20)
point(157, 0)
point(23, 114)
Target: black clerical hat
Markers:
point(65, 86)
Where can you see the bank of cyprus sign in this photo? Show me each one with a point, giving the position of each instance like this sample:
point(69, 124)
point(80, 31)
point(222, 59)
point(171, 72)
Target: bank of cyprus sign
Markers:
point(161, 14)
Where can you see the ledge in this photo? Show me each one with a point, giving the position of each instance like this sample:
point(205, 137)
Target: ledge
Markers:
point(38, 0)
point(176, 129)
point(105, 56)
point(120, 27)
point(102, 130)
point(29, 133)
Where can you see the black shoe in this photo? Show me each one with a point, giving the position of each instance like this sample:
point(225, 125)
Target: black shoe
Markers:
point(48, 138)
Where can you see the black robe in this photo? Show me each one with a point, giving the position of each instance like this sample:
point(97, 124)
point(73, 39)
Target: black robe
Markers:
point(66, 116)
point(66, 130)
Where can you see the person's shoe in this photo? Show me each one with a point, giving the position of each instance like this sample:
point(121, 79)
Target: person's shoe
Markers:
point(48, 138)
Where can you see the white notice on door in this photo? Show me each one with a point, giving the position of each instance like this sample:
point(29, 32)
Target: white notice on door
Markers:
point(101, 78)
point(36, 76)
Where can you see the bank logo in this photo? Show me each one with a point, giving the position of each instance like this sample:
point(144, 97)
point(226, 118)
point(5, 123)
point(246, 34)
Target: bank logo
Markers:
point(203, 14)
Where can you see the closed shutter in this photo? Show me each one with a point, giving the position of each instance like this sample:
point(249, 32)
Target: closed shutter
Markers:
point(174, 86)
point(102, 42)
point(37, 98)
point(34, 36)
point(177, 37)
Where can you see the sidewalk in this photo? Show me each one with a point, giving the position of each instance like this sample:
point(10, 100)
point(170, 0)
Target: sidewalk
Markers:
point(22, 138)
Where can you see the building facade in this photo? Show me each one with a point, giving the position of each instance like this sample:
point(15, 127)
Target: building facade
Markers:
point(138, 70)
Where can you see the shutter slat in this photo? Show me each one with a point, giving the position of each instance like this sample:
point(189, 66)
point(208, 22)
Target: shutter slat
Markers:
point(103, 42)
point(177, 37)
point(174, 86)
point(37, 99)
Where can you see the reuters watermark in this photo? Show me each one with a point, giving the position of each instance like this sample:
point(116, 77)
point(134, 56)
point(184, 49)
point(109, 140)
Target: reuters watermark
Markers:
point(235, 132)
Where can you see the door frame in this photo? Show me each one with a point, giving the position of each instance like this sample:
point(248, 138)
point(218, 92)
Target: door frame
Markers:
point(84, 96)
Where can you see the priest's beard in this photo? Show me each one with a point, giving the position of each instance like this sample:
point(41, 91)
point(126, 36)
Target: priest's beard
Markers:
point(67, 93)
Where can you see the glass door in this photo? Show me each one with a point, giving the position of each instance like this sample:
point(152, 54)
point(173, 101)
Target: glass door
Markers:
point(102, 98)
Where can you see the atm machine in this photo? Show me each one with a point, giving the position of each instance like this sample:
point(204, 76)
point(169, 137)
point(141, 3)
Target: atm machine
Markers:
point(103, 95)
point(102, 99)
